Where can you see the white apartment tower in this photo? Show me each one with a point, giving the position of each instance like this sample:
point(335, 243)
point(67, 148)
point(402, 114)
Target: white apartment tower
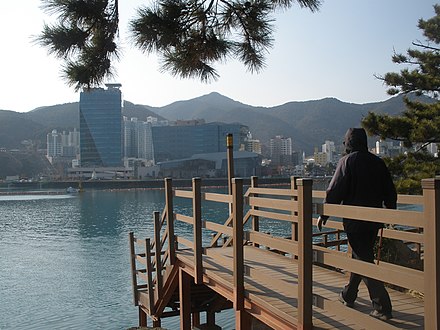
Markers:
point(280, 150)
point(138, 140)
point(65, 144)
point(329, 149)
point(54, 143)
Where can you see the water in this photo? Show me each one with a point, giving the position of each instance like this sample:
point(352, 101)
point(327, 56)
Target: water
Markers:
point(64, 259)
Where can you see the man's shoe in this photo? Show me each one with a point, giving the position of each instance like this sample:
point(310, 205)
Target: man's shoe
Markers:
point(381, 316)
point(344, 302)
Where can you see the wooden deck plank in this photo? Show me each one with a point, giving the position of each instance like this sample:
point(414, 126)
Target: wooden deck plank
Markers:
point(276, 290)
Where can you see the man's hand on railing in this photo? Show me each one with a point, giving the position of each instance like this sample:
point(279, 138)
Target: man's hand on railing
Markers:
point(322, 219)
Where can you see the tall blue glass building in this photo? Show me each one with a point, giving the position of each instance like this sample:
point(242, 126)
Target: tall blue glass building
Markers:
point(100, 121)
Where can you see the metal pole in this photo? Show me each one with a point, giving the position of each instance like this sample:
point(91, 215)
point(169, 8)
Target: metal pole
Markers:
point(230, 159)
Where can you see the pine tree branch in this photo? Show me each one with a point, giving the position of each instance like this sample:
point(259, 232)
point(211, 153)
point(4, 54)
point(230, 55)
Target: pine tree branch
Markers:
point(425, 46)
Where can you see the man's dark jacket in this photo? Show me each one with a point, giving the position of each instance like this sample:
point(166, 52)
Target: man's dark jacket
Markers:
point(361, 179)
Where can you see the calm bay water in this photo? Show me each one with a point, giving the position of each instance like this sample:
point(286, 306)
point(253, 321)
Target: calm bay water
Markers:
point(64, 260)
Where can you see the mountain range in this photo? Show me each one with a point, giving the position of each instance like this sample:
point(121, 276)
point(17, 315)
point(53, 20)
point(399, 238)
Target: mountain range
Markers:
point(308, 123)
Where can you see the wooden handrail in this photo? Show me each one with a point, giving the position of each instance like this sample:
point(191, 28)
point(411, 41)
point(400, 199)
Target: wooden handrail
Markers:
point(183, 193)
point(214, 197)
point(271, 191)
point(388, 216)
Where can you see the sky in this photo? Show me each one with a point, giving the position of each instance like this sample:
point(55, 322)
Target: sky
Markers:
point(335, 52)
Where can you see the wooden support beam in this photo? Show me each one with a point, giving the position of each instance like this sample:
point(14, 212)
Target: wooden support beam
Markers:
point(142, 318)
point(210, 318)
point(158, 256)
point(170, 220)
point(243, 320)
point(197, 228)
point(195, 319)
point(149, 273)
point(294, 187)
point(237, 212)
point(431, 196)
point(133, 268)
point(305, 254)
point(185, 300)
point(255, 218)
point(157, 323)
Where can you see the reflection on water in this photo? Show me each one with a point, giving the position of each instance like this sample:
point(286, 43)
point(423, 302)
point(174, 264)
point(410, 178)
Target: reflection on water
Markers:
point(64, 259)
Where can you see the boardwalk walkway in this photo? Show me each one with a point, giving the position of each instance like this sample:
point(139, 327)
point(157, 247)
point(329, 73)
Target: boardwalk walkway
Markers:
point(275, 271)
point(276, 282)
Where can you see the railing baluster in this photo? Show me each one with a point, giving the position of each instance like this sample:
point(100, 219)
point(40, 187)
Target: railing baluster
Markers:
point(431, 196)
point(197, 215)
point(305, 254)
point(133, 268)
point(158, 256)
point(149, 271)
point(237, 212)
point(170, 220)
point(255, 218)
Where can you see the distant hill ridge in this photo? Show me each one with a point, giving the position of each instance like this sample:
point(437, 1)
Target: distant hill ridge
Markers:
point(309, 123)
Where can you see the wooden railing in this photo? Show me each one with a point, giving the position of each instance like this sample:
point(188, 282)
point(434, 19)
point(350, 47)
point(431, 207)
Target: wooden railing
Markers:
point(295, 206)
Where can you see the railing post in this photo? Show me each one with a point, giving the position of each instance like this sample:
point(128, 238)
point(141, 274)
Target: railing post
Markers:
point(431, 209)
point(197, 215)
point(170, 220)
point(294, 187)
point(237, 213)
point(185, 300)
point(133, 268)
point(158, 253)
point(149, 269)
point(255, 218)
point(305, 253)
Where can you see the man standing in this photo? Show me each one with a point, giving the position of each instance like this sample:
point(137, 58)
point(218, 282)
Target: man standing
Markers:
point(362, 179)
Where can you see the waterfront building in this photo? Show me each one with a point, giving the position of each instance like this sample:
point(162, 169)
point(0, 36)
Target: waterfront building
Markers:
point(388, 148)
point(252, 145)
point(246, 164)
point(329, 149)
point(321, 158)
point(281, 150)
point(432, 149)
point(100, 126)
point(61, 146)
point(53, 140)
point(138, 140)
point(185, 139)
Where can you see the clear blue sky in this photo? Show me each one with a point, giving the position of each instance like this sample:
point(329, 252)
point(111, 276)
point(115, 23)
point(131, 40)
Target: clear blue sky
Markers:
point(332, 53)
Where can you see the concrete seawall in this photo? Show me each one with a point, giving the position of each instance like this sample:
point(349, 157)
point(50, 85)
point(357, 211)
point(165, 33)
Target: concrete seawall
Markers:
point(321, 183)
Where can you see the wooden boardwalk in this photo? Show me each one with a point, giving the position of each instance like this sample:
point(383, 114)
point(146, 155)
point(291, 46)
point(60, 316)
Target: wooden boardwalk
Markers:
point(275, 271)
point(274, 282)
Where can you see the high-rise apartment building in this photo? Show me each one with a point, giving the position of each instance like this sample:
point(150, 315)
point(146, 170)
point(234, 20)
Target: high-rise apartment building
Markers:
point(138, 140)
point(281, 150)
point(62, 145)
point(329, 149)
point(100, 126)
point(252, 145)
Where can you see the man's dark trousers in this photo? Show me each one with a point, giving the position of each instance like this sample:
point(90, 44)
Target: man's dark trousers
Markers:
point(362, 245)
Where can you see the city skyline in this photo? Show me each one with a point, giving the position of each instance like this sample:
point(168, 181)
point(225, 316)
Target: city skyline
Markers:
point(333, 53)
